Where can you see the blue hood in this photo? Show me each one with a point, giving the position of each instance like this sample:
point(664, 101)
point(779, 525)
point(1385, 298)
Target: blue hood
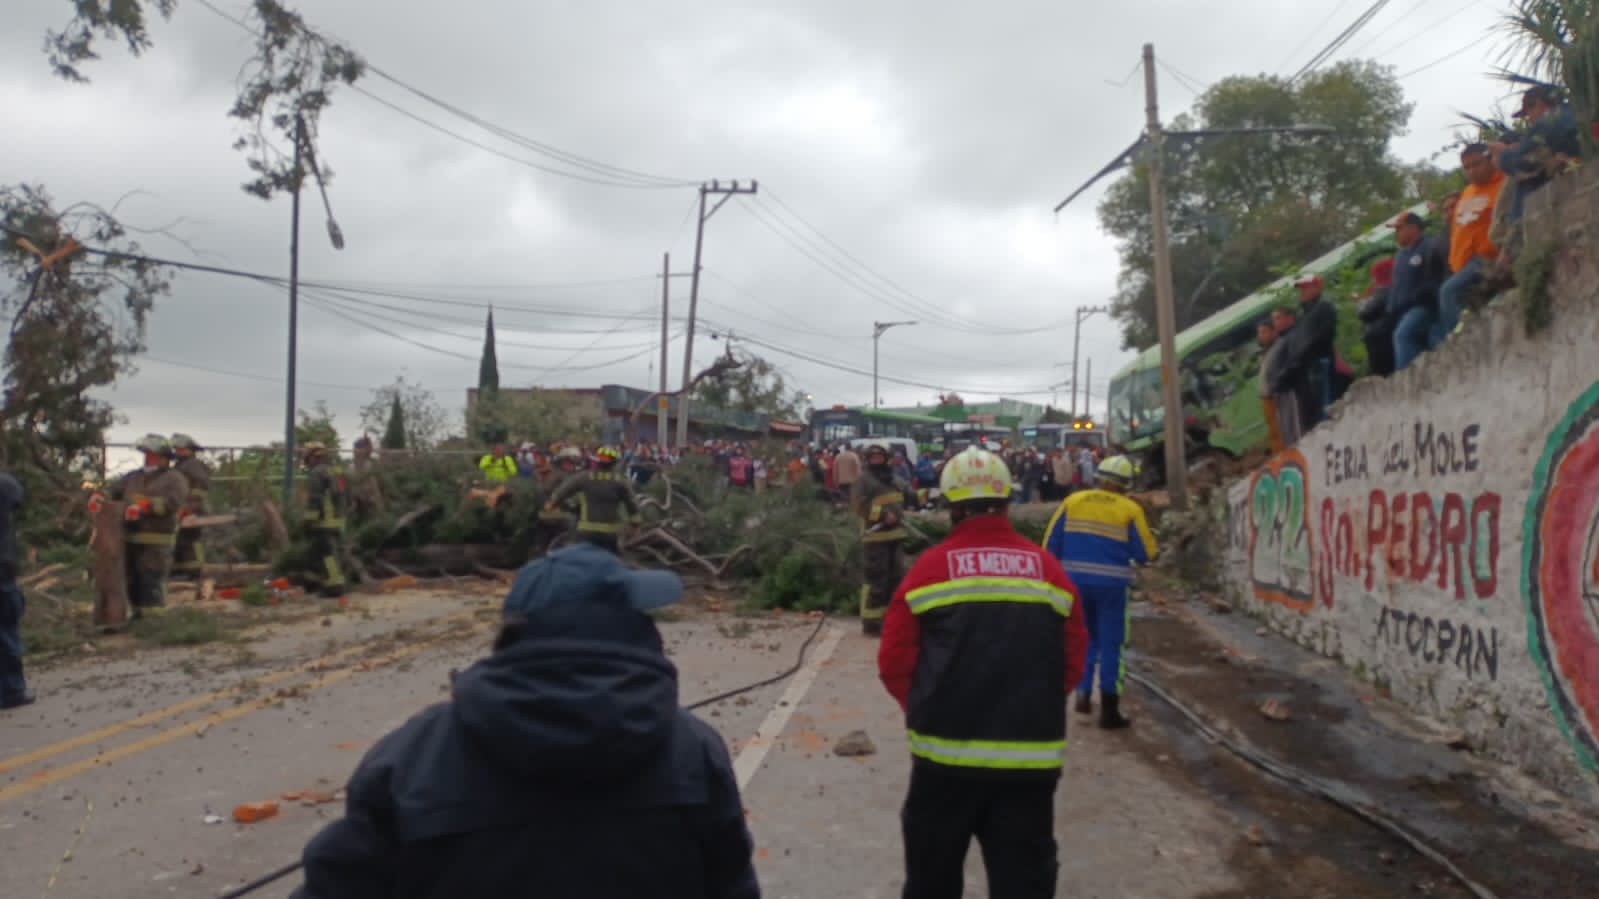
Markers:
point(585, 693)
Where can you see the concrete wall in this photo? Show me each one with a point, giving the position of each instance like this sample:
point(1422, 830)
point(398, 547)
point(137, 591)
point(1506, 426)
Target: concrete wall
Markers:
point(1440, 535)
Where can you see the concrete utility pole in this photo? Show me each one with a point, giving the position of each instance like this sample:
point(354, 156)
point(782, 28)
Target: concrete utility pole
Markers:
point(661, 403)
point(727, 193)
point(877, 331)
point(1165, 308)
point(1077, 349)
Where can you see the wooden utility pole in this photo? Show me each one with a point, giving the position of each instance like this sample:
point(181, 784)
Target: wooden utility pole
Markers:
point(1165, 309)
point(727, 193)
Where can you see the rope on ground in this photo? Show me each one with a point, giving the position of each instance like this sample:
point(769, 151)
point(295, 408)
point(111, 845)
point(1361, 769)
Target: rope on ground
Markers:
point(286, 870)
point(1312, 785)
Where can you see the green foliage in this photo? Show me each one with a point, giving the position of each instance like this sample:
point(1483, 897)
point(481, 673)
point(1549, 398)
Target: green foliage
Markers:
point(1557, 42)
point(394, 431)
point(542, 416)
point(253, 595)
point(1535, 274)
point(754, 385)
point(180, 626)
point(488, 367)
point(1242, 205)
point(316, 425)
point(109, 19)
point(799, 582)
point(423, 422)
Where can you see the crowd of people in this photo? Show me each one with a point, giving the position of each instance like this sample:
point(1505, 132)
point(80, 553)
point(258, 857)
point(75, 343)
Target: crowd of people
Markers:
point(1420, 293)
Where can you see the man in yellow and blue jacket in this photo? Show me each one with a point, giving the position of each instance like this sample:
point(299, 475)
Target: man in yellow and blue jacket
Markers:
point(1099, 535)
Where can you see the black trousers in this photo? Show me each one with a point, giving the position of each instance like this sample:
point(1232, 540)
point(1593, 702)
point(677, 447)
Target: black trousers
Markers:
point(882, 577)
point(1013, 821)
point(611, 542)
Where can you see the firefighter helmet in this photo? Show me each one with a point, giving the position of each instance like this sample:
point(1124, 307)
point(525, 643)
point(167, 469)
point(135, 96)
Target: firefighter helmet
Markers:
point(185, 442)
point(1118, 471)
point(154, 445)
point(975, 474)
point(569, 454)
point(877, 449)
point(606, 455)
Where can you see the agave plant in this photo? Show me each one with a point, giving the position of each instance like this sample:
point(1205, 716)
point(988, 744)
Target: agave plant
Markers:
point(1557, 42)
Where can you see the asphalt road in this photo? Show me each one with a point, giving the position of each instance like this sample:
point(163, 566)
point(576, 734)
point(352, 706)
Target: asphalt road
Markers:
point(114, 783)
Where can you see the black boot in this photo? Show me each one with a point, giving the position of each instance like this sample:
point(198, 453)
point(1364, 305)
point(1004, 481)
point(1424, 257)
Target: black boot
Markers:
point(1110, 713)
point(872, 627)
point(1085, 703)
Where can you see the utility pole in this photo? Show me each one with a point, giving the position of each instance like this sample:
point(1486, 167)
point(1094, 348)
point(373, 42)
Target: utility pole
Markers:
point(661, 402)
point(1088, 383)
point(1165, 310)
point(727, 193)
point(877, 331)
point(1077, 349)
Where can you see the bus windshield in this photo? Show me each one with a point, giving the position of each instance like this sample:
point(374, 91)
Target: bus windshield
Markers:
point(1135, 407)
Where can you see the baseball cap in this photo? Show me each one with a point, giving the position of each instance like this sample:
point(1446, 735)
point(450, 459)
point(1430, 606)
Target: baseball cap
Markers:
point(586, 573)
point(1408, 218)
point(1541, 93)
point(1307, 279)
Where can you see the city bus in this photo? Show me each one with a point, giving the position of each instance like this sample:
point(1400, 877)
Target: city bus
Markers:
point(1219, 364)
point(842, 423)
point(1082, 432)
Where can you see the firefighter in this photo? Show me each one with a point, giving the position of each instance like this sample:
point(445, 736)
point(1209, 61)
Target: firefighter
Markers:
point(605, 501)
point(879, 502)
point(188, 557)
point(155, 495)
point(981, 646)
point(1098, 534)
point(553, 521)
point(326, 498)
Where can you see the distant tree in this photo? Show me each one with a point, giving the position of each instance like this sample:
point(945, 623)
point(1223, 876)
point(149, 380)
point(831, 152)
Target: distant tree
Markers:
point(423, 421)
point(488, 367)
point(315, 425)
point(1054, 416)
point(542, 416)
point(752, 385)
point(1241, 206)
point(394, 432)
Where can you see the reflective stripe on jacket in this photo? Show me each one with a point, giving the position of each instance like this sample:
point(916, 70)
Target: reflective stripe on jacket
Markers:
point(981, 644)
point(1098, 536)
point(497, 470)
point(874, 502)
point(604, 501)
point(325, 499)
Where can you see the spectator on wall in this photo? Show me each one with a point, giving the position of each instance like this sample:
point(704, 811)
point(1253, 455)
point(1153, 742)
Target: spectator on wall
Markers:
point(1377, 327)
point(1470, 250)
point(1285, 388)
point(1549, 145)
point(1420, 267)
point(1312, 350)
point(1266, 333)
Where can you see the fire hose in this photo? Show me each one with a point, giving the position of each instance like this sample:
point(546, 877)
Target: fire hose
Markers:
point(799, 663)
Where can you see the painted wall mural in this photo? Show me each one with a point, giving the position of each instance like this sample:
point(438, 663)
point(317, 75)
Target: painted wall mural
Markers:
point(1560, 573)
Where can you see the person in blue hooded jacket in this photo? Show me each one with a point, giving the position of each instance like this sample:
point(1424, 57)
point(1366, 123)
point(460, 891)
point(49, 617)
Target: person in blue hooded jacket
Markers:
point(562, 769)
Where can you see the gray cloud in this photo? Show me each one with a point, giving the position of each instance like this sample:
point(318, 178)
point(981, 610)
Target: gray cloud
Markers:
point(929, 141)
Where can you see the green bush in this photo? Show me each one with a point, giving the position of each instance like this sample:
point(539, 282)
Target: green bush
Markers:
point(800, 582)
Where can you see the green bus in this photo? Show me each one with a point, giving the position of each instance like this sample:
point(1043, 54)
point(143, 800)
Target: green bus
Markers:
point(840, 424)
point(1219, 363)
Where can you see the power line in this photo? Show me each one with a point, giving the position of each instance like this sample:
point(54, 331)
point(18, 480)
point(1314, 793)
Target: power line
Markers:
point(1342, 39)
point(1372, 39)
point(1312, 35)
point(1446, 57)
point(231, 373)
point(330, 296)
point(1410, 40)
point(1189, 84)
point(844, 367)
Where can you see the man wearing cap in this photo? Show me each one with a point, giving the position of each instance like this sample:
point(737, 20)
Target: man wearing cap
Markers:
point(563, 768)
point(1309, 354)
point(1420, 267)
point(1550, 143)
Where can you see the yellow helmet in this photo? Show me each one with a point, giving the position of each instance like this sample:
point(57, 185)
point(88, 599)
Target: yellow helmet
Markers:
point(975, 474)
point(1118, 470)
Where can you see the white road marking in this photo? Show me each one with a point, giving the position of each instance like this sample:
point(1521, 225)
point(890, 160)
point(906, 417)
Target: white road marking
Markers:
point(754, 752)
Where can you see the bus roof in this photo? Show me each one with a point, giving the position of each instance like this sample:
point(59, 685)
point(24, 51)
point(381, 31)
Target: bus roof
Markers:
point(891, 415)
point(1255, 305)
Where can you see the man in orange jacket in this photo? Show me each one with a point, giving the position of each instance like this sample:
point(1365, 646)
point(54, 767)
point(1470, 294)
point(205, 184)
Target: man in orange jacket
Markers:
point(981, 646)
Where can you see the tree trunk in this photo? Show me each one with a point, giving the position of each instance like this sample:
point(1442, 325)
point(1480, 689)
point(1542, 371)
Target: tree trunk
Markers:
point(110, 571)
point(277, 534)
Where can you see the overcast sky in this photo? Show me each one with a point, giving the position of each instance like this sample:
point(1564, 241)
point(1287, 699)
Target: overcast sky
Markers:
point(929, 142)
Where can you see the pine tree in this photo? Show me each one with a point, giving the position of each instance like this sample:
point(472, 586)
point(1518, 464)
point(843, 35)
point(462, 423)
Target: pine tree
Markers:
point(488, 368)
point(394, 434)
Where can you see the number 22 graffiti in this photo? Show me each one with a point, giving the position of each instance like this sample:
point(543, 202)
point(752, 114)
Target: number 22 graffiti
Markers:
point(1279, 533)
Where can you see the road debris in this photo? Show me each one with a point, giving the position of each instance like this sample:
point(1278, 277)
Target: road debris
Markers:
point(1255, 835)
point(251, 812)
point(855, 743)
point(1276, 710)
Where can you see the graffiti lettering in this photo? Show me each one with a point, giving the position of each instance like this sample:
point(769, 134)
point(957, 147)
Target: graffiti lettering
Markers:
point(1452, 543)
point(1347, 463)
point(1434, 451)
point(1279, 533)
point(1439, 641)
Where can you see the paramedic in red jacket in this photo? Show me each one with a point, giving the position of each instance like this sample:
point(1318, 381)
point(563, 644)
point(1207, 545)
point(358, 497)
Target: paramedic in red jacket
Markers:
point(981, 646)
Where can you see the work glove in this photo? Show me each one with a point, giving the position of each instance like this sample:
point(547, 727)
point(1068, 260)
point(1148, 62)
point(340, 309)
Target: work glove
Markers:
point(137, 510)
point(96, 501)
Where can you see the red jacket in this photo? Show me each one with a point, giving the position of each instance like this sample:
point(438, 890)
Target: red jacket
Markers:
point(945, 660)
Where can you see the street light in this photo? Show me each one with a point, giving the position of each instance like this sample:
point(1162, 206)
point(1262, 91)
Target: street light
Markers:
point(877, 331)
point(336, 236)
point(1077, 347)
